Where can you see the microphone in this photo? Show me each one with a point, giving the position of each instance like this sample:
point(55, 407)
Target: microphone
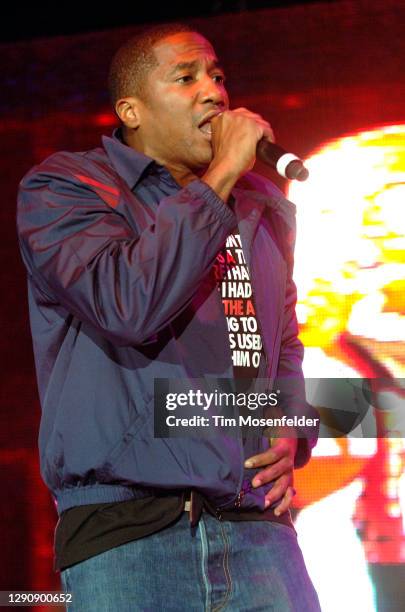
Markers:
point(287, 164)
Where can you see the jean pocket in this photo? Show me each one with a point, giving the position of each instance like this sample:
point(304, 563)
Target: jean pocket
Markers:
point(282, 526)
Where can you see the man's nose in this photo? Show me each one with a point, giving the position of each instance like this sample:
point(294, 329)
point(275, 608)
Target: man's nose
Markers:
point(214, 92)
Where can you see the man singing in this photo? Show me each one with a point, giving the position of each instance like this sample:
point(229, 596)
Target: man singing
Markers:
point(134, 251)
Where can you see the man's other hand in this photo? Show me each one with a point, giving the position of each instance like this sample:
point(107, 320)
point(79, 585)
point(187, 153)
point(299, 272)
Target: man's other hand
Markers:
point(278, 462)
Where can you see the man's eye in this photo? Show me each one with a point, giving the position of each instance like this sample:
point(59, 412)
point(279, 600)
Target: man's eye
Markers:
point(185, 78)
point(219, 78)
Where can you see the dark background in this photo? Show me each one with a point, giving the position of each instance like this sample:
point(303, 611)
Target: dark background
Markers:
point(52, 19)
point(315, 70)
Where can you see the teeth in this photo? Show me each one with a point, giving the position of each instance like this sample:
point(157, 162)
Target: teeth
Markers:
point(206, 128)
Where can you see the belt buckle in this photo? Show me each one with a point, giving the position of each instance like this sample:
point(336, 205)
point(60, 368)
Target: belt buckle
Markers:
point(187, 501)
point(194, 506)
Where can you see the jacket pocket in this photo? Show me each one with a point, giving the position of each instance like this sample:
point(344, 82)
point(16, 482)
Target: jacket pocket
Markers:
point(210, 465)
point(89, 431)
point(139, 420)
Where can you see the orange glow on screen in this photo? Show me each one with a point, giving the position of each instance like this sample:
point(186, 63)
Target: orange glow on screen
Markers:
point(350, 276)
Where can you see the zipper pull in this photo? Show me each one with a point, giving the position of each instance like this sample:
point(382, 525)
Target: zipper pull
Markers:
point(238, 500)
point(246, 488)
point(218, 514)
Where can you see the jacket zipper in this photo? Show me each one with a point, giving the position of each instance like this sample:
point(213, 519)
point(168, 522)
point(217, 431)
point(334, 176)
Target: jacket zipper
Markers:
point(266, 361)
point(246, 488)
point(251, 273)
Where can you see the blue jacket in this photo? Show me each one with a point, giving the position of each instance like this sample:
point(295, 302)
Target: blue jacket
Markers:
point(118, 259)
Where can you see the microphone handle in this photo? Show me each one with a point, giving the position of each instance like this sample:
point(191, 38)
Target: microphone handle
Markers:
point(287, 165)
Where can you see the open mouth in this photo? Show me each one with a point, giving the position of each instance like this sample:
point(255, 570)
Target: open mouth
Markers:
point(206, 128)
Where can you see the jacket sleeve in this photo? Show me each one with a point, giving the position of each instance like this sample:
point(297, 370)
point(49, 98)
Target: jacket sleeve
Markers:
point(85, 255)
point(290, 372)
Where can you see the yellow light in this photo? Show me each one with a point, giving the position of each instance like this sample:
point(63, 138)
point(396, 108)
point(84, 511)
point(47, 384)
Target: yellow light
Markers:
point(350, 251)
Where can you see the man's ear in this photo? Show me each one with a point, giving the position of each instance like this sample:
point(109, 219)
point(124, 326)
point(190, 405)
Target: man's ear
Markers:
point(128, 110)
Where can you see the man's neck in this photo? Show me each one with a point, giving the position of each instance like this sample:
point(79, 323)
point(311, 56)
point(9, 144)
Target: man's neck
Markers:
point(182, 175)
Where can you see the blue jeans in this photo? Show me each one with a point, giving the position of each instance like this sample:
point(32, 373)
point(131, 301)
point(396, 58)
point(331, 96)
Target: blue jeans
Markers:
point(225, 566)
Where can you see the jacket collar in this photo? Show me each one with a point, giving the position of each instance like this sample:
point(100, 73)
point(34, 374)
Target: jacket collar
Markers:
point(129, 163)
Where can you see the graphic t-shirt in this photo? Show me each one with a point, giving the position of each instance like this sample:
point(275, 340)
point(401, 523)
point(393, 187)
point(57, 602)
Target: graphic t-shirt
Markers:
point(233, 277)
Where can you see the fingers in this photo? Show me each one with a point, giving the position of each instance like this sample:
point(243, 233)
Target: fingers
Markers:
point(286, 499)
point(279, 462)
point(235, 134)
point(265, 129)
point(269, 456)
point(282, 447)
point(283, 466)
point(279, 469)
point(269, 134)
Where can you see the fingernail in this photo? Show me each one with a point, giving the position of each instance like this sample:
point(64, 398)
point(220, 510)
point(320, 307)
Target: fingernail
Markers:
point(248, 463)
point(267, 503)
point(277, 512)
point(256, 483)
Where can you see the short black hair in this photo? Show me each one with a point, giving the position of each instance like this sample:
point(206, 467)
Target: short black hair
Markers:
point(134, 60)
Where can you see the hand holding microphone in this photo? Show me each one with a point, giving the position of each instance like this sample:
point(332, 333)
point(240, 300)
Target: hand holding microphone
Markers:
point(287, 164)
point(238, 137)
